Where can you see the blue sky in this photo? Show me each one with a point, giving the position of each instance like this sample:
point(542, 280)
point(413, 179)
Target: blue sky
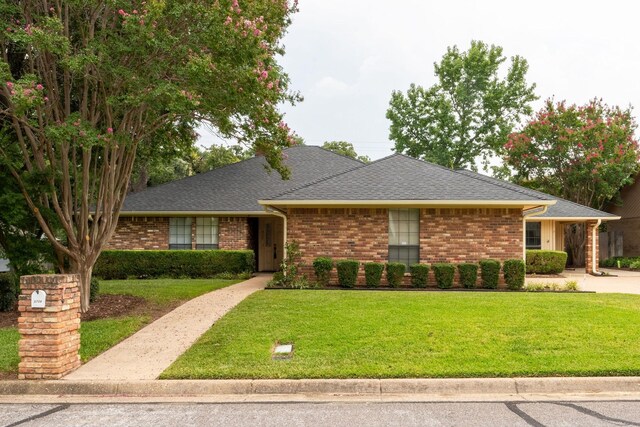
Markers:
point(346, 57)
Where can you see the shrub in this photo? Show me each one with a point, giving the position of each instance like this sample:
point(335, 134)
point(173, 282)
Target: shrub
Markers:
point(395, 273)
point(571, 285)
point(635, 265)
point(546, 262)
point(489, 273)
point(172, 263)
point(419, 275)
point(373, 273)
point(444, 275)
point(513, 270)
point(9, 289)
point(94, 289)
point(347, 272)
point(322, 266)
point(468, 274)
point(288, 276)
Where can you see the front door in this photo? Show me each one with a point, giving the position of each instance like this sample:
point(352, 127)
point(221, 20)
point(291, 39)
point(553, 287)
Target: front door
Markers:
point(270, 242)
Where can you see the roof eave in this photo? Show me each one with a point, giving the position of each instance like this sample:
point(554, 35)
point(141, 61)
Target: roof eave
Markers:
point(192, 213)
point(412, 203)
point(576, 218)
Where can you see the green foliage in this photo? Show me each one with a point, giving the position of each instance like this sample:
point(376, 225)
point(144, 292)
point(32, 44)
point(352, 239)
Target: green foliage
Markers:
point(419, 275)
point(373, 273)
point(395, 273)
point(621, 262)
point(346, 149)
point(468, 273)
point(289, 274)
point(584, 154)
point(546, 262)
point(9, 289)
point(489, 273)
point(571, 285)
point(444, 273)
point(635, 265)
point(94, 290)
point(513, 270)
point(173, 263)
point(347, 272)
point(467, 114)
point(322, 266)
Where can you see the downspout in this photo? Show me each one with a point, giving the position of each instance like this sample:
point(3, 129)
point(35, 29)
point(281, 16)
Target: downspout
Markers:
point(281, 214)
point(594, 267)
point(524, 227)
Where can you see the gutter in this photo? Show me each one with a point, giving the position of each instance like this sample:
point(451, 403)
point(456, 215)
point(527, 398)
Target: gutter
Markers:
point(277, 212)
point(526, 215)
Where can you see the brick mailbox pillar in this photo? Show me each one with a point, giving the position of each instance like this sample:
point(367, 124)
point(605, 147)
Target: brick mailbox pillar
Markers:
point(49, 325)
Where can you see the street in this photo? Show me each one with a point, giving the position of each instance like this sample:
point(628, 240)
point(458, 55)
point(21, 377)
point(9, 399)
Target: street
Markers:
point(565, 413)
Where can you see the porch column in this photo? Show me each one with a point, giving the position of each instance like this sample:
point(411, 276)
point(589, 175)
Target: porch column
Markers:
point(591, 247)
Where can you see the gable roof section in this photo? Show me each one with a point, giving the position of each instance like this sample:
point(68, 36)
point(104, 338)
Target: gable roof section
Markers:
point(238, 187)
point(401, 178)
point(562, 209)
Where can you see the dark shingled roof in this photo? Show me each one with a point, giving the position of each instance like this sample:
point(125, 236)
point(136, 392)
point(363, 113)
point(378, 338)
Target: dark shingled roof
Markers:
point(399, 177)
point(562, 209)
point(239, 186)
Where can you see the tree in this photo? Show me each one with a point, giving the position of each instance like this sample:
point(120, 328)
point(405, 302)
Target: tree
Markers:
point(346, 149)
point(86, 84)
point(467, 114)
point(585, 154)
point(220, 155)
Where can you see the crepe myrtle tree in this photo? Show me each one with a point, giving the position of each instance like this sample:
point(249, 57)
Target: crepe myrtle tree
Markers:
point(585, 154)
point(85, 83)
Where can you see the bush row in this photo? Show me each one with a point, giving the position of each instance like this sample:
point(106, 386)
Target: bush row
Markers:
point(621, 262)
point(513, 271)
point(546, 262)
point(121, 264)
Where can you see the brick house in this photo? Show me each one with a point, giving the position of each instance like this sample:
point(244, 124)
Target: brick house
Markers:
point(622, 238)
point(394, 209)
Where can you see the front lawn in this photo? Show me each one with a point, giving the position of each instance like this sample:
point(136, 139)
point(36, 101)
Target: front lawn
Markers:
point(352, 334)
point(112, 323)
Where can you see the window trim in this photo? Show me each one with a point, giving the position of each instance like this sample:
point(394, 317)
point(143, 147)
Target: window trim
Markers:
point(396, 247)
point(527, 245)
point(188, 223)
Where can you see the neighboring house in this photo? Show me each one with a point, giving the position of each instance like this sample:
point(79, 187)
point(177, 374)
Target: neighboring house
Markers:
point(622, 238)
point(4, 265)
point(394, 209)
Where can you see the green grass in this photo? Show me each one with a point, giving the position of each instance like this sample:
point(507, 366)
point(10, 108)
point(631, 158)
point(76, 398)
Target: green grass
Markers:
point(99, 335)
point(411, 334)
point(164, 291)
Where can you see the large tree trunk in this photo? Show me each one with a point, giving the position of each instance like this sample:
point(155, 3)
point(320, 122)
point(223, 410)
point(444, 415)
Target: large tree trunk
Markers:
point(575, 242)
point(84, 271)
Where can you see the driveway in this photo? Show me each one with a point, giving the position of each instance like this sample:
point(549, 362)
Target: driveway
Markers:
point(617, 281)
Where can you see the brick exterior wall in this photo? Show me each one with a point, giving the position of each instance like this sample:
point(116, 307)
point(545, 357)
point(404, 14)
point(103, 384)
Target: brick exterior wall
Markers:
point(630, 228)
point(142, 233)
point(588, 249)
point(446, 235)
point(49, 336)
point(234, 233)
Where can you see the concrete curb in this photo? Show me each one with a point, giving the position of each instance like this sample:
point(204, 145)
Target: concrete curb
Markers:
point(362, 387)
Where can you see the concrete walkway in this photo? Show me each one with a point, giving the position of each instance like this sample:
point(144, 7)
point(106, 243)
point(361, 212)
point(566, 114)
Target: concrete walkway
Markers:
point(147, 353)
point(619, 281)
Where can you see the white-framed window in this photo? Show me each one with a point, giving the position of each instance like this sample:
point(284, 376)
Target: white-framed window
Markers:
point(179, 233)
point(404, 236)
point(533, 235)
point(206, 233)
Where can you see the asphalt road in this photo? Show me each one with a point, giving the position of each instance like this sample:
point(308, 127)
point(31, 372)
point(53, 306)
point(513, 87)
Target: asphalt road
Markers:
point(512, 414)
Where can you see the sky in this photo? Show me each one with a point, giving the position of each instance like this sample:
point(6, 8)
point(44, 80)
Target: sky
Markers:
point(346, 57)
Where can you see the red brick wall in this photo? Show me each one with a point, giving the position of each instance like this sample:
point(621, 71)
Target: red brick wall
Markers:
point(140, 233)
point(588, 254)
point(446, 235)
point(234, 233)
point(469, 235)
point(143, 233)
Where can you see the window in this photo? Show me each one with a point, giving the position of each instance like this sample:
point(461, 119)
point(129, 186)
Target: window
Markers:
point(206, 233)
point(404, 236)
point(533, 235)
point(179, 233)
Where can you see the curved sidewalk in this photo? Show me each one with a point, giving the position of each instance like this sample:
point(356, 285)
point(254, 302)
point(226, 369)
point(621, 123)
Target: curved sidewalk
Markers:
point(148, 352)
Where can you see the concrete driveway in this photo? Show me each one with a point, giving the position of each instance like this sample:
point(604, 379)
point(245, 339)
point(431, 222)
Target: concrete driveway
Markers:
point(618, 281)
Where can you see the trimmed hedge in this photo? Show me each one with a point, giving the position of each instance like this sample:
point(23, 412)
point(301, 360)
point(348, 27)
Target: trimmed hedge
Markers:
point(94, 289)
point(546, 262)
point(444, 274)
point(468, 274)
point(373, 273)
point(395, 273)
point(419, 275)
point(8, 291)
point(172, 263)
point(621, 262)
point(347, 272)
point(489, 273)
point(322, 266)
point(513, 270)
